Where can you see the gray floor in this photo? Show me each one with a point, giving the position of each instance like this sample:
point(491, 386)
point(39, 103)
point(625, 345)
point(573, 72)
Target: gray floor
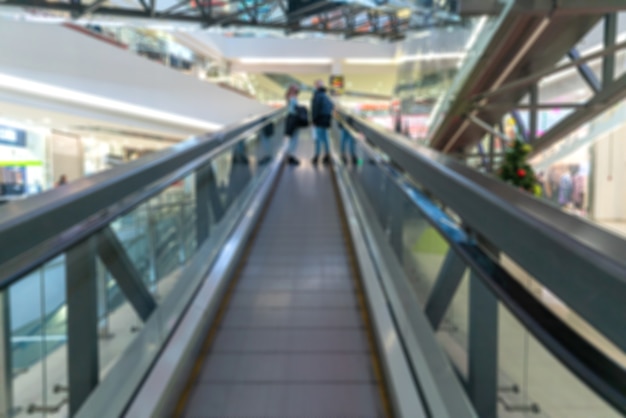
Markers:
point(292, 342)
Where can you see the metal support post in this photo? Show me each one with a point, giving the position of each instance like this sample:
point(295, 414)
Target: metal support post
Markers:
point(203, 178)
point(521, 125)
point(610, 35)
point(6, 366)
point(116, 260)
point(533, 113)
point(82, 322)
point(180, 220)
point(151, 235)
point(483, 349)
point(492, 152)
point(445, 288)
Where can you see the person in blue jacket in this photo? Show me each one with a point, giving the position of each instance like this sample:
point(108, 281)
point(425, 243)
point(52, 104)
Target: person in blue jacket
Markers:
point(321, 114)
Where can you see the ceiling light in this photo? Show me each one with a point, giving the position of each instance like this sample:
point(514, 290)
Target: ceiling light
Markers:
point(432, 56)
point(371, 61)
point(286, 61)
point(404, 13)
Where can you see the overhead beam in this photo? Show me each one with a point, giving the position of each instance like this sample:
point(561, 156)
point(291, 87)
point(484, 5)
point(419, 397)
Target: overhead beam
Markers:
point(528, 106)
point(578, 7)
point(487, 128)
point(289, 21)
point(610, 35)
point(479, 7)
point(533, 120)
point(585, 71)
point(526, 81)
point(90, 9)
point(521, 125)
point(602, 101)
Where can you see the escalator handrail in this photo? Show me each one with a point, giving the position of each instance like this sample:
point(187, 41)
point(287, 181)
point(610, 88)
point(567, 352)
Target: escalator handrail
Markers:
point(582, 264)
point(44, 226)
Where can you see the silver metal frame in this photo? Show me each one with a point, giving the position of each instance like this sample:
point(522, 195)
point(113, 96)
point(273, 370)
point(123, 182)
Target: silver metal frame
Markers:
point(161, 389)
point(415, 365)
point(402, 386)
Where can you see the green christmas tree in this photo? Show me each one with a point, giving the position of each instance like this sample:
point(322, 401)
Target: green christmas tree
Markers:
point(516, 171)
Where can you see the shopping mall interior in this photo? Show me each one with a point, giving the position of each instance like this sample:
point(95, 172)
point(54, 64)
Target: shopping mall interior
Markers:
point(172, 246)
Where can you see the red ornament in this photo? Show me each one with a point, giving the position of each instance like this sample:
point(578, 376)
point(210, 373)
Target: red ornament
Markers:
point(521, 172)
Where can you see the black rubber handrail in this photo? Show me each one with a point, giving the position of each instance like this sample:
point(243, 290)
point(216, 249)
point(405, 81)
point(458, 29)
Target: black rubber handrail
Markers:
point(581, 263)
point(43, 226)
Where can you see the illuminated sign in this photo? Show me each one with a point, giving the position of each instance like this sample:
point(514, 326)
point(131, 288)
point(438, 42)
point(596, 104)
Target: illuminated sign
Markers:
point(336, 84)
point(8, 135)
point(12, 136)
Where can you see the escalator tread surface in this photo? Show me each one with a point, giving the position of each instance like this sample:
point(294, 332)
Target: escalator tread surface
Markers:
point(291, 341)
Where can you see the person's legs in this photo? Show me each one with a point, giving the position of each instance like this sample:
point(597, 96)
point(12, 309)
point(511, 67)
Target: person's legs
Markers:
point(318, 135)
point(240, 153)
point(266, 149)
point(345, 137)
point(324, 141)
point(292, 148)
point(352, 144)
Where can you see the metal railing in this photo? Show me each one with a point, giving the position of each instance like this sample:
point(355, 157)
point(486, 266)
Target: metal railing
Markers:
point(497, 271)
point(101, 267)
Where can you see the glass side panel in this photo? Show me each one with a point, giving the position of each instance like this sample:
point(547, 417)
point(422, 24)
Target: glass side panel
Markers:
point(453, 331)
point(38, 322)
point(148, 249)
point(533, 382)
point(417, 245)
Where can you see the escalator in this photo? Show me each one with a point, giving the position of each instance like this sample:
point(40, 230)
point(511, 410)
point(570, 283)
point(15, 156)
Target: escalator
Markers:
point(292, 337)
point(211, 279)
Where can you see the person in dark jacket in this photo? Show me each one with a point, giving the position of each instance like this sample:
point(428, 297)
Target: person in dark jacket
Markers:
point(321, 112)
point(291, 124)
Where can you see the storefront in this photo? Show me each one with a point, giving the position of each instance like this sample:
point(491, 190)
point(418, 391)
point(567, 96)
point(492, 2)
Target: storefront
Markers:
point(21, 164)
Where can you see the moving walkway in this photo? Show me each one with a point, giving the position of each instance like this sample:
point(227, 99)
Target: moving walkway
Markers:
point(210, 279)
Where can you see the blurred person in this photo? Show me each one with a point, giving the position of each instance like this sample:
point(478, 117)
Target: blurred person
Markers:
point(566, 188)
point(347, 141)
point(322, 111)
point(578, 190)
point(292, 126)
point(62, 180)
point(265, 135)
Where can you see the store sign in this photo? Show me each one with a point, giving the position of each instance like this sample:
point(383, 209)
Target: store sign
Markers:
point(337, 84)
point(12, 136)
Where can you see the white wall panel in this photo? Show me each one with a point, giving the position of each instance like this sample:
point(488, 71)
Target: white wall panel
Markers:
point(58, 56)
